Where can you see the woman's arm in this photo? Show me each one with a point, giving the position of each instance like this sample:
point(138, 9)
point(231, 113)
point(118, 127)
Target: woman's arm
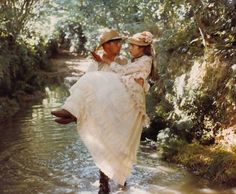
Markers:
point(142, 65)
point(140, 81)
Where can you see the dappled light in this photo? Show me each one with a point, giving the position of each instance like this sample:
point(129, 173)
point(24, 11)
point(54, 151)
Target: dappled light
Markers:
point(46, 46)
point(52, 159)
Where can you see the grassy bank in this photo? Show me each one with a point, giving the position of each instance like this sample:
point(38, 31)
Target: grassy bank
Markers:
point(212, 162)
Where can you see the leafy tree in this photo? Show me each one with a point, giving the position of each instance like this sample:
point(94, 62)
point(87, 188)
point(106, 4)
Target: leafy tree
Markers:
point(14, 15)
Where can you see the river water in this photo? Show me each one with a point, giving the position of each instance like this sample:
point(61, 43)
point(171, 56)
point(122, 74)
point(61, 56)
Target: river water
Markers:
point(39, 156)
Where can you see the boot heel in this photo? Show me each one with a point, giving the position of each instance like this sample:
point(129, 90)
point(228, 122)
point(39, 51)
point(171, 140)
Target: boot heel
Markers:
point(104, 184)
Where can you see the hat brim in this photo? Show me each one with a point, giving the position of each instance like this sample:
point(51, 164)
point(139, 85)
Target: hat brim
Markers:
point(132, 41)
point(115, 38)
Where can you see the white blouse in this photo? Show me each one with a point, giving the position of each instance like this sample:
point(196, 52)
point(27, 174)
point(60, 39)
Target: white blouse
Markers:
point(106, 67)
point(140, 68)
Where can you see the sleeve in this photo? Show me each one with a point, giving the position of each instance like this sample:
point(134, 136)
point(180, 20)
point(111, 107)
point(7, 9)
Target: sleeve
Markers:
point(92, 66)
point(142, 65)
point(100, 66)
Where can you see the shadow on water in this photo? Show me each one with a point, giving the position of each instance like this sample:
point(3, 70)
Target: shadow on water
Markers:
point(39, 156)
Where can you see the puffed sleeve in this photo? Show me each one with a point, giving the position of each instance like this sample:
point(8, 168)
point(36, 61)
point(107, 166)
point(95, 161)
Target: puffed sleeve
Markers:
point(142, 65)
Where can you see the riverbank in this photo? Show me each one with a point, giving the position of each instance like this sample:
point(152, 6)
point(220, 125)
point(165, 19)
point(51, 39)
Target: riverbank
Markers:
point(64, 64)
point(211, 162)
point(39, 156)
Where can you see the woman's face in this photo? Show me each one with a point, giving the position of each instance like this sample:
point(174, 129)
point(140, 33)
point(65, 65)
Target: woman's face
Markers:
point(135, 50)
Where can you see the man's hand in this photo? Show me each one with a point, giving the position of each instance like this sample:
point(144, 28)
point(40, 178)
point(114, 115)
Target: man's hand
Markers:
point(96, 57)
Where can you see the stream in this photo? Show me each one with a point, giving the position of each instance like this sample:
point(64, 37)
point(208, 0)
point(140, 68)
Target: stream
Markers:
point(40, 156)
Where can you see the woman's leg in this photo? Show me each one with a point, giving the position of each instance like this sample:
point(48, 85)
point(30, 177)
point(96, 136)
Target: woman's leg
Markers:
point(104, 184)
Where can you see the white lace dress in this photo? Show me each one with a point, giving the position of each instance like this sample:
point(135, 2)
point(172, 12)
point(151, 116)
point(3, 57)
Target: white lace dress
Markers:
point(110, 108)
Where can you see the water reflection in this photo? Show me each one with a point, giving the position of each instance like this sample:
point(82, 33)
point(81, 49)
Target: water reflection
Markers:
point(39, 156)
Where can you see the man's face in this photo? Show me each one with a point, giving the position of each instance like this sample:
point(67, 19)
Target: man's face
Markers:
point(112, 47)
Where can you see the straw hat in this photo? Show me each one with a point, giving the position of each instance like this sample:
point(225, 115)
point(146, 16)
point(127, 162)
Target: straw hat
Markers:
point(108, 35)
point(141, 39)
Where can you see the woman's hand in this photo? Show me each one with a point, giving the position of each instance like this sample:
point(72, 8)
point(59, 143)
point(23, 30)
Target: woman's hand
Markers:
point(140, 81)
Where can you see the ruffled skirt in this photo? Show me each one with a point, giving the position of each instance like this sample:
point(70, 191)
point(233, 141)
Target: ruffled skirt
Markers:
point(109, 121)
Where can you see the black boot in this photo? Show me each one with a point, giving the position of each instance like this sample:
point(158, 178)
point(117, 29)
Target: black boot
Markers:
point(104, 184)
point(123, 187)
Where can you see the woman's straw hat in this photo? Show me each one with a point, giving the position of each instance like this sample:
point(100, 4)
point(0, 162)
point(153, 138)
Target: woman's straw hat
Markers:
point(141, 39)
point(108, 35)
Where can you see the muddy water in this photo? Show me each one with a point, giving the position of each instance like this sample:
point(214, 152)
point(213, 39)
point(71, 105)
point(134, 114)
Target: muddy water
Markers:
point(39, 156)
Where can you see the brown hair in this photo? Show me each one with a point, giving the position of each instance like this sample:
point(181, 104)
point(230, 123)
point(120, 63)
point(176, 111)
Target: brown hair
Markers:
point(148, 51)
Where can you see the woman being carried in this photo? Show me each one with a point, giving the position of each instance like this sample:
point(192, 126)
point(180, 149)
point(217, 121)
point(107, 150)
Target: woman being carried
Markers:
point(110, 110)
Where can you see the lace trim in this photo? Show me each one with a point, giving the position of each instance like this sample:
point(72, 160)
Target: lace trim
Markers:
point(137, 93)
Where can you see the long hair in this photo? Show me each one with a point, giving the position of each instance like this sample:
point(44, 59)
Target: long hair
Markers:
point(149, 51)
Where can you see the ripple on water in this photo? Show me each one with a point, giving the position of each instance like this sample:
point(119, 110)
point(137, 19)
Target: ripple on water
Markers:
point(39, 156)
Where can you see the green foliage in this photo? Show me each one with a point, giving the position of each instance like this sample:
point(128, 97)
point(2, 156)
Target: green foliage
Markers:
point(14, 15)
point(167, 141)
point(216, 21)
point(234, 149)
point(20, 67)
point(195, 46)
point(160, 112)
point(191, 37)
point(196, 51)
point(8, 107)
point(215, 164)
